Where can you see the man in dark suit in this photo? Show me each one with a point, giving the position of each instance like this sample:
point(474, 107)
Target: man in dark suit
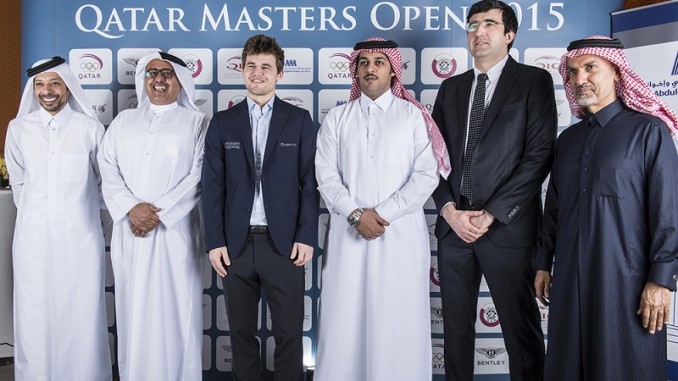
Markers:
point(260, 208)
point(500, 130)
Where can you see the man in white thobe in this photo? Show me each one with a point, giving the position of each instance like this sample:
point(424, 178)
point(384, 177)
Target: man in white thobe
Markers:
point(376, 166)
point(150, 163)
point(60, 330)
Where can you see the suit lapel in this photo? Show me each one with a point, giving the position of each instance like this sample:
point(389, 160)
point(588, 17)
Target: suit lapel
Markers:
point(278, 119)
point(504, 86)
point(241, 116)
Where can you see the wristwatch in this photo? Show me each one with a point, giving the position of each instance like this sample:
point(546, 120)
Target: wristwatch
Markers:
point(354, 217)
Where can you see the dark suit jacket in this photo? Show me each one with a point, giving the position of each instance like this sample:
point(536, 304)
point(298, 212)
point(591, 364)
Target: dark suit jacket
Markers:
point(514, 152)
point(288, 178)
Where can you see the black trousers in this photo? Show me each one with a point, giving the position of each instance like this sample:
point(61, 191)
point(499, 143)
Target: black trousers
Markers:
point(510, 278)
point(259, 265)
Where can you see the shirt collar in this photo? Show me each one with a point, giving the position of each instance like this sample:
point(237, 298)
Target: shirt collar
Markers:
point(383, 102)
point(267, 107)
point(161, 108)
point(605, 115)
point(495, 71)
point(60, 118)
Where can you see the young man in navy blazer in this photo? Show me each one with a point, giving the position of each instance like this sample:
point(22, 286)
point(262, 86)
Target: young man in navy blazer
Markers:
point(260, 211)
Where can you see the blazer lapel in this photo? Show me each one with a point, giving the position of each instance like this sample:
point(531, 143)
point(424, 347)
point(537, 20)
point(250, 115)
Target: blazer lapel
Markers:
point(241, 116)
point(278, 119)
point(504, 86)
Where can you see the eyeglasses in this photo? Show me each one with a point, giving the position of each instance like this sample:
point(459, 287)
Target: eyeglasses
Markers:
point(489, 24)
point(166, 73)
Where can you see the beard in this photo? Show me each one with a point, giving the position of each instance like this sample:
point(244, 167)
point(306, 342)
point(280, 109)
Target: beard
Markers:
point(588, 99)
point(56, 105)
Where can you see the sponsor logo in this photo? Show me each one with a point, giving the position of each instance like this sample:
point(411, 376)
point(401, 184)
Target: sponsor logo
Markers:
point(548, 62)
point(296, 101)
point(489, 316)
point(437, 312)
point(234, 64)
point(90, 65)
point(133, 102)
point(491, 352)
point(339, 103)
point(406, 64)
point(99, 109)
point(444, 66)
point(674, 70)
point(200, 101)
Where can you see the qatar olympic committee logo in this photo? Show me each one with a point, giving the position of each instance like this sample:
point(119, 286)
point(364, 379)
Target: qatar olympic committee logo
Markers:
point(90, 66)
point(444, 66)
point(193, 64)
point(340, 62)
point(438, 356)
point(489, 316)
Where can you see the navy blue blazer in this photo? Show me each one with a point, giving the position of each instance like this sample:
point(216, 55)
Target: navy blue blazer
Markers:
point(288, 181)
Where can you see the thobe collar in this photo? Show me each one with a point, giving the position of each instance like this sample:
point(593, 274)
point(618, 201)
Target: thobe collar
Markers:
point(161, 108)
point(383, 102)
point(605, 115)
point(60, 118)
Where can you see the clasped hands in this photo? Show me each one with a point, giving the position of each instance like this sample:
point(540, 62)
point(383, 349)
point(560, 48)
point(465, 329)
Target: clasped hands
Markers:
point(143, 218)
point(370, 225)
point(469, 225)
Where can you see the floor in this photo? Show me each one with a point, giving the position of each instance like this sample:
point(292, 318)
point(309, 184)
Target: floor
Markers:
point(7, 369)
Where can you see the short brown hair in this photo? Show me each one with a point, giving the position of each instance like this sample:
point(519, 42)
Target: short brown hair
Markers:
point(261, 44)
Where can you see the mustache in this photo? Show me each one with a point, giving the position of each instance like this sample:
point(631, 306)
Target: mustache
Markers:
point(588, 86)
point(370, 76)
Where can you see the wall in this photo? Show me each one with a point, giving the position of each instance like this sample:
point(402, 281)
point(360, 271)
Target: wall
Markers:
point(10, 85)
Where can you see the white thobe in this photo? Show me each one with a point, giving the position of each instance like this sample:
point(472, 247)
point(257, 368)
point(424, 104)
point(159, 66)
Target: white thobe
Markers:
point(374, 322)
point(154, 155)
point(60, 324)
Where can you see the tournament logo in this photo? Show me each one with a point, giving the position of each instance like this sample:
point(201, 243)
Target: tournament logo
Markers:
point(444, 66)
point(193, 64)
point(433, 274)
point(491, 352)
point(235, 100)
point(406, 64)
point(489, 316)
point(234, 64)
point(200, 101)
point(90, 66)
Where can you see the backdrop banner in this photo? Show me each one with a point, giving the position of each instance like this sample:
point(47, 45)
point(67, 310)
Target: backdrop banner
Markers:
point(103, 40)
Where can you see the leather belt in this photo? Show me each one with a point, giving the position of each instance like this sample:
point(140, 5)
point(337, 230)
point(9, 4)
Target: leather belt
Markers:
point(259, 229)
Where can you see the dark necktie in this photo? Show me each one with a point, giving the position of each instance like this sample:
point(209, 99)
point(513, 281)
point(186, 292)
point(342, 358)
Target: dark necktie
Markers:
point(474, 125)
